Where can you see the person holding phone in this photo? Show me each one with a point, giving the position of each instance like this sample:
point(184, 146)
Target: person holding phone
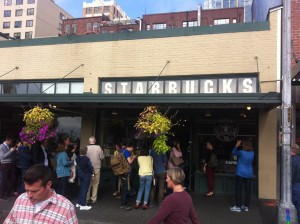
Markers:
point(244, 173)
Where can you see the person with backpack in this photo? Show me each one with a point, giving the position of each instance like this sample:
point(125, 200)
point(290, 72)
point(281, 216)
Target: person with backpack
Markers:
point(120, 164)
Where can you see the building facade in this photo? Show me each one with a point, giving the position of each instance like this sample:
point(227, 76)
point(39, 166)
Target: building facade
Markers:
point(26, 19)
point(108, 8)
point(108, 79)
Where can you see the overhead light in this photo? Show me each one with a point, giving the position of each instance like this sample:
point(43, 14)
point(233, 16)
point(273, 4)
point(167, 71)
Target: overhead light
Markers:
point(207, 113)
point(243, 114)
point(248, 107)
point(114, 112)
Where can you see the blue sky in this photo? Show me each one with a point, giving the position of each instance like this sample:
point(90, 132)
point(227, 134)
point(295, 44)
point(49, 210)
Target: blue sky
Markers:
point(135, 8)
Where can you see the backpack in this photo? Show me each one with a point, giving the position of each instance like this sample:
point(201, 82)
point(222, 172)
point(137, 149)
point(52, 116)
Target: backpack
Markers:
point(119, 164)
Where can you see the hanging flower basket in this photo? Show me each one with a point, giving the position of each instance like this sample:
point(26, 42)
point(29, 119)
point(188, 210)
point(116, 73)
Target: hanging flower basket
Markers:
point(153, 124)
point(39, 122)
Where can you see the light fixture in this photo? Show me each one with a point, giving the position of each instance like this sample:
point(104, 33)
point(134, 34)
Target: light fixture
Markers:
point(243, 114)
point(248, 107)
point(207, 113)
point(114, 112)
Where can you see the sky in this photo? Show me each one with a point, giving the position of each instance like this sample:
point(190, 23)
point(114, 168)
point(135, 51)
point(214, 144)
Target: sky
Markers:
point(135, 8)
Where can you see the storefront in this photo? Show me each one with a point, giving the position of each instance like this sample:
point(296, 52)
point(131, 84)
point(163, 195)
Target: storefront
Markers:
point(207, 76)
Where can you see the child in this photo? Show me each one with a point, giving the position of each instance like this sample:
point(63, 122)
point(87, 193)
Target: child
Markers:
point(84, 171)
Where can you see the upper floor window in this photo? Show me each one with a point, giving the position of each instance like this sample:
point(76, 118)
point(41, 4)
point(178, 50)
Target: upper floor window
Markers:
point(7, 13)
point(221, 21)
point(28, 35)
point(74, 28)
point(106, 9)
point(62, 16)
point(159, 26)
point(19, 2)
point(30, 1)
point(7, 2)
point(19, 12)
point(30, 11)
point(6, 25)
point(60, 26)
point(18, 24)
point(29, 23)
point(89, 10)
point(97, 10)
point(17, 35)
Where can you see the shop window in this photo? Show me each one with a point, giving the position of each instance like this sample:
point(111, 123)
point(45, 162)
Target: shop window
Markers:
point(159, 26)
point(34, 88)
point(19, 2)
point(6, 25)
point(48, 88)
point(17, 35)
point(7, 13)
point(76, 87)
point(30, 12)
point(62, 88)
point(19, 12)
point(7, 2)
point(29, 23)
point(70, 126)
point(28, 35)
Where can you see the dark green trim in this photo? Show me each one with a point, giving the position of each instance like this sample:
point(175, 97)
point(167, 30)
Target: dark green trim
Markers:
point(262, 99)
point(176, 32)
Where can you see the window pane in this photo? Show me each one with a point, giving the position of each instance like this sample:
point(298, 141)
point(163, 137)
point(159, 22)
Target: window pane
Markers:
point(30, 1)
point(21, 88)
point(77, 87)
point(7, 13)
point(74, 28)
point(6, 25)
point(28, 35)
point(48, 88)
point(89, 10)
point(19, 12)
point(19, 2)
point(30, 11)
point(88, 27)
point(29, 23)
point(67, 30)
point(34, 88)
point(62, 88)
point(8, 88)
point(159, 26)
point(18, 24)
point(7, 2)
point(17, 35)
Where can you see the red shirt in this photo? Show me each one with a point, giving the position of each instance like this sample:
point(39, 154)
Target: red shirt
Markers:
point(177, 208)
point(58, 210)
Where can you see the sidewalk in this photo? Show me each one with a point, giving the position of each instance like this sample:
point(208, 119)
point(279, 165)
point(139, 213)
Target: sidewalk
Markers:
point(214, 210)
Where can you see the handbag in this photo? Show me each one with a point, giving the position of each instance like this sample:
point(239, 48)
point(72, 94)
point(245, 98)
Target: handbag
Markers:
point(176, 160)
point(213, 161)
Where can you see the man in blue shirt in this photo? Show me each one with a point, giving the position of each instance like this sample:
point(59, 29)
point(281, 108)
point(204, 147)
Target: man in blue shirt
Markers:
point(160, 162)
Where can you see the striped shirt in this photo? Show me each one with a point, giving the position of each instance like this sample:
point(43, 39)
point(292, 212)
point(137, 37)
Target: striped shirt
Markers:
point(57, 209)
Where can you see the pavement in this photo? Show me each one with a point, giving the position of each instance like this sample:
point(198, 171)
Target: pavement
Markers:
point(210, 210)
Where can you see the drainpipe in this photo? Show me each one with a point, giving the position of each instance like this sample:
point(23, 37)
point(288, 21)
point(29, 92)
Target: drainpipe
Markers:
point(140, 22)
point(199, 14)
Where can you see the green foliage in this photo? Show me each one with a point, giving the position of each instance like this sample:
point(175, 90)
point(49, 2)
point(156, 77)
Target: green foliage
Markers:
point(160, 144)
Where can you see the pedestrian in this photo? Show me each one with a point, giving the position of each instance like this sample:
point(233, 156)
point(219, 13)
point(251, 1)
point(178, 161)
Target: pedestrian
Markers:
point(25, 155)
point(117, 178)
point(159, 161)
point(178, 207)
point(209, 167)
point(17, 167)
point(40, 203)
point(145, 162)
point(96, 155)
point(40, 154)
point(124, 179)
point(296, 178)
point(63, 169)
point(84, 171)
point(244, 173)
point(7, 168)
point(176, 159)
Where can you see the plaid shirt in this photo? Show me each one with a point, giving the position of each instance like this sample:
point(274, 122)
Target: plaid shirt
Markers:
point(57, 210)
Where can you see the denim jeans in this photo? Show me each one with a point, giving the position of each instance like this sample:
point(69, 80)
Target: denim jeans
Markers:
point(145, 186)
point(61, 185)
point(84, 187)
point(240, 181)
point(296, 198)
point(124, 187)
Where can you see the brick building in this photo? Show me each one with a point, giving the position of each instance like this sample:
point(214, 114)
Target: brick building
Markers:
point(101, 24)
